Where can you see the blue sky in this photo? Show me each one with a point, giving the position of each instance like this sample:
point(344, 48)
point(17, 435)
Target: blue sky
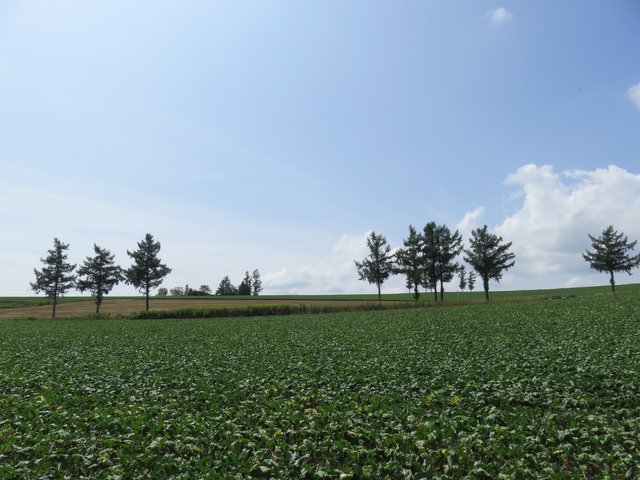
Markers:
point(276, 134)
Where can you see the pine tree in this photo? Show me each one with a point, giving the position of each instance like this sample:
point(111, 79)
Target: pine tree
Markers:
point(440, 248)
point(147, 271)
point(56, 276)
point(471, 280)
point(430, 254)
point(488, 256)
point(450, 246)
point(245, 286)
point(610, 254)
point(409, 261)
point(462, 275)
point(99, 274)
point(226, 287)
point(378, 265)
point(256, 283)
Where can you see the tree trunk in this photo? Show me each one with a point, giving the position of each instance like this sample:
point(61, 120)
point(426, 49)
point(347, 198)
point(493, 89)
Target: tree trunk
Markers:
point(435, 292)
point(441, 290)
point(485, 284)
point(379, 295)
point(55, 302)
point(612, 282)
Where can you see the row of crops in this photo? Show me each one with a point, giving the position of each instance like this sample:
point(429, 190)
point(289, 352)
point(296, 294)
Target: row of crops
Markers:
point(523, 390)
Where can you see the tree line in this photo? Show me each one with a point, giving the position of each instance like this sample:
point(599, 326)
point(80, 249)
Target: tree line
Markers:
point(250, 285)
point(428, 258)
point(99, 273)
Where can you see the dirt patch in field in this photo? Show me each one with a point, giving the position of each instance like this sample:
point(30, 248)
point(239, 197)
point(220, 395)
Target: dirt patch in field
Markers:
point(118, 307)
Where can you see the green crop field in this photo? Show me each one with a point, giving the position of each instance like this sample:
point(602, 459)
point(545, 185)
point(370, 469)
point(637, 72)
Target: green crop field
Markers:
point(545, 389)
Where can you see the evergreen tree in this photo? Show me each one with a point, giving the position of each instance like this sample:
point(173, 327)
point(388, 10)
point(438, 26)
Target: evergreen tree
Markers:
point(430, 255)
point(245, 286)
point(440, 248)
point(409, 261)
point(449, 247)
point(56, 276)
point(610, 254)
point(462, 275)
point(488, 256)
point(226, 287)
point(99, 274)
point(256, 283)
point(147, 271)
point(378, 265)
point(471, 280)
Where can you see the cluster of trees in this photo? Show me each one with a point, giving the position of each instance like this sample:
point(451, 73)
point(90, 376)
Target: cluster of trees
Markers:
point(250, 285)
point(428, 258)
point(99, 273)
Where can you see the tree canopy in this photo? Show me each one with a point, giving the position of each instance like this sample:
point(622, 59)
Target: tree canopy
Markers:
point(56, 276)
point(488, 256)
point(611, 253)
point(410, 261)
point(147, 271)
point(99, 274)
point(378, 265)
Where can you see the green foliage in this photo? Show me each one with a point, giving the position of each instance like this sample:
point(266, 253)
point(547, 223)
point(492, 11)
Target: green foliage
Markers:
point(256, 282)
point(245, 286)
point(502, 390)
point(462, 278)
point(378, 265)
point(611, 253)
point(410, 261)
point(99, 274)
point(56, 276)
point(471, 280)
point(147, 271)
point(440, 249)
point(488, 256)
point(226, 287)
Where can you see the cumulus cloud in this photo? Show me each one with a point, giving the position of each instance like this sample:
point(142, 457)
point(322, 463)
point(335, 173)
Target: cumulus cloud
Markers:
point(331, 272)
point(634, 94)
point(469, 221)
point(498, 16)
point(549, 230)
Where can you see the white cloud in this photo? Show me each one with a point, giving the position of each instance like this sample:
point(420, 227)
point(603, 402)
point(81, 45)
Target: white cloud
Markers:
point(498, 16)
point(549, 231)
point(634, 94)
point(469, 221)
point(553, 215)
point(328, 270)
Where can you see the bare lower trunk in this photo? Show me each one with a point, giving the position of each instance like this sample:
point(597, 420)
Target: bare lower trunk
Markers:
point(612, 282)
point(441, 290)
point(485, 284)
point(379, 295)
point(55, 303)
